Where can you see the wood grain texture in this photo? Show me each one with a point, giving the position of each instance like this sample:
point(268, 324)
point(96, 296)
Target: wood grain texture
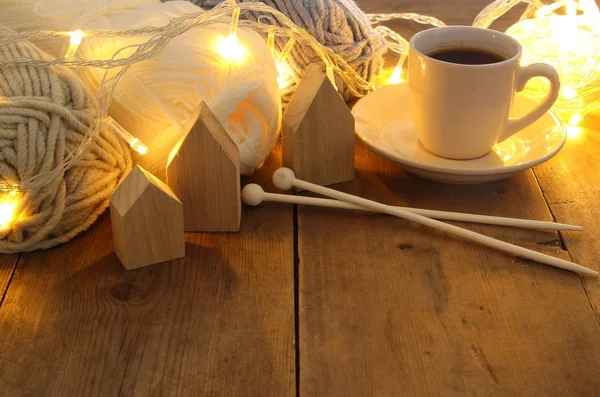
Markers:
point(205, 175)
point(218, 323)
point(318, 132)
point(393, 309)
point(389, 308)
point(572, 189)
point(8, 263)
point(147, 221)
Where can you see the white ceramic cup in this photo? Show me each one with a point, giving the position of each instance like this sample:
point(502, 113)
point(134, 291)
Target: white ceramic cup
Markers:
point(460, 111)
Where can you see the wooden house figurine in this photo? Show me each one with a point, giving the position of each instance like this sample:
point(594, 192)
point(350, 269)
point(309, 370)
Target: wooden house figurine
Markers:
point(318, 132)
point(147, 221)
point(204, 172)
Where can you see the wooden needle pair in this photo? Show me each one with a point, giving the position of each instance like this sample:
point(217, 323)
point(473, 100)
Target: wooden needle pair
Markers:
point(285, 179)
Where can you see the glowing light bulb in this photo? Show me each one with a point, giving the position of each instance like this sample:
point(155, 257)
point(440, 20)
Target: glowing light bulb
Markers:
point(396, 75)
point(575, 119)
point(75, 41)
point(568, 92)
point(573, 132)
point(135, 143)
point(138, 146)
point(284, 79)
point(8, 205)
point(527, 27)
point(230, 49)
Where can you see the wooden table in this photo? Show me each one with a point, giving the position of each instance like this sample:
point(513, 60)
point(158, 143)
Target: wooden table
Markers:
point(316, 302)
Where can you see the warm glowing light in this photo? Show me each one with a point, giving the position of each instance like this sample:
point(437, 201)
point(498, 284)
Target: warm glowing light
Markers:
point(527, 26)
point(284, 79)
point(568, 92)
point(139, 147)
point(570, 42)
point(575, 119)
point(118, 129)
point(8, 206)
point(389, 76)
point(75, 41)
point(573, 132)
point(396, 75)
point(76, 37)
point(230, 49)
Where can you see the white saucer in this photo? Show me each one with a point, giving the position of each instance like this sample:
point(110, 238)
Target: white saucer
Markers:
point(384, 123)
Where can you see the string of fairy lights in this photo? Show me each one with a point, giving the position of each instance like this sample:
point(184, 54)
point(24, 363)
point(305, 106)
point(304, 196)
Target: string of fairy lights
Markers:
point(539, 22)
point(228, 47)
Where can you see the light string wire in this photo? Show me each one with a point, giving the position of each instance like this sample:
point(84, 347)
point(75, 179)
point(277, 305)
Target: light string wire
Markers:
point(279, 25)
point(160, 37)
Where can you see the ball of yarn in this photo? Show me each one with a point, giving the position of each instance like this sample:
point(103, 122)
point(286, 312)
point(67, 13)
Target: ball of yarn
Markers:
point(337, 24)
point(157, 99)
point(45, 114)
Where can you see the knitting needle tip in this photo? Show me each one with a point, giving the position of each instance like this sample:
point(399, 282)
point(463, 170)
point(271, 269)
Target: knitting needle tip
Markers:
point(284, 178)
point(253, 194)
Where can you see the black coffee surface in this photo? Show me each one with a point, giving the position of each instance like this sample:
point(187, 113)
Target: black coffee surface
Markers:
point(466, 56)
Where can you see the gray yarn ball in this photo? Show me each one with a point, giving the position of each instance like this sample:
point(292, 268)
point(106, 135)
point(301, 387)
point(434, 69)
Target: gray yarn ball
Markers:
point(337, 24)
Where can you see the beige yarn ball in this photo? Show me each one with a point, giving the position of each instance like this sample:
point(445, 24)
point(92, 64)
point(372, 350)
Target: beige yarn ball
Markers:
point(44, 116)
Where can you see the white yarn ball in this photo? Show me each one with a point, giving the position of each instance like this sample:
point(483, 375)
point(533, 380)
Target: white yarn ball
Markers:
point(157, 99)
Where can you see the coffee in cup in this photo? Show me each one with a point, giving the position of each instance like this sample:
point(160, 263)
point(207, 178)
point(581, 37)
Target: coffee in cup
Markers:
point(462, 81)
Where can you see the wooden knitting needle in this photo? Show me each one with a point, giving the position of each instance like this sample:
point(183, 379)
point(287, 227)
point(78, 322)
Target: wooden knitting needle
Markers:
point(254, 195)
point(285, 179)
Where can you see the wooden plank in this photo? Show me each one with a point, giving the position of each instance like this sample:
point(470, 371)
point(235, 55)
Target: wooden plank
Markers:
point(219, 322)
point(390, 308)
point(572, 189)
point(8, 263)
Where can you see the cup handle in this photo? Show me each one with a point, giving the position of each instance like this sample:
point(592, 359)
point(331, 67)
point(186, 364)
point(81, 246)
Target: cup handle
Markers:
point(524, 74)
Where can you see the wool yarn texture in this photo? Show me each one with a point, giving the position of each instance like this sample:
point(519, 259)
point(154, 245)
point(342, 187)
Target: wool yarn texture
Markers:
point(45, 114)
point(158, 99)
point(337, 24)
